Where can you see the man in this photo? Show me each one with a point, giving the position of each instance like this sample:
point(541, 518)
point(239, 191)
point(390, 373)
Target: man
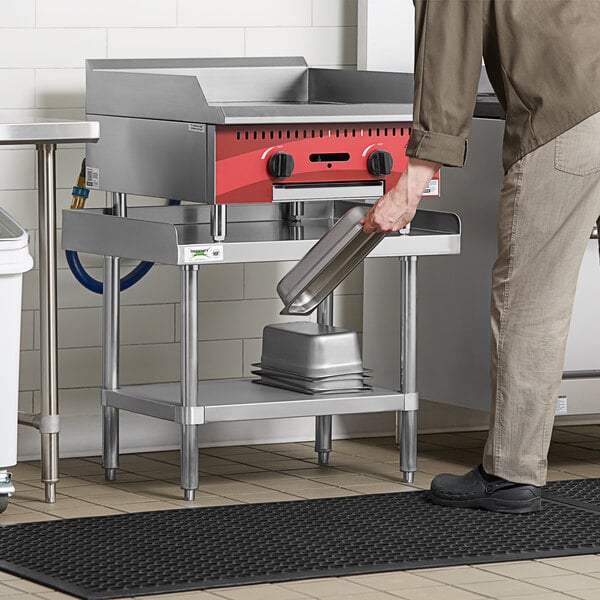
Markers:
point(543, 60)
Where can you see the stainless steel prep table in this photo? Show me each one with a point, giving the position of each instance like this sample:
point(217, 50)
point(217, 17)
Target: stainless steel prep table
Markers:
point(175, 236)
point(45, 134)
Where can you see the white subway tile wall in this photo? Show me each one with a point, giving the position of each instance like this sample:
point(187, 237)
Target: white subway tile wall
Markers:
point(58, 48)
point(43, 47)
point(174, 42)
point(18, 13)
point(59, 88)
point(333, 14)
point(244, 14)
point(321, 46)
point(105, 14)
point(17, 87)
point(17, 169)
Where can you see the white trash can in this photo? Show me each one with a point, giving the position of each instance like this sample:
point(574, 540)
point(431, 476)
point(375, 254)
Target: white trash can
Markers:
point(14, 261)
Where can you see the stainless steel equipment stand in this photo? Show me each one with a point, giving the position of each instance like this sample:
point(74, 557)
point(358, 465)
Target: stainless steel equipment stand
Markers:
point(183, 236)
point(45, 134)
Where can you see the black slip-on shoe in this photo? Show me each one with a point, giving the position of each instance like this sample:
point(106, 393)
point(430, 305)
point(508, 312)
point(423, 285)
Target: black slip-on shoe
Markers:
point(477, 489)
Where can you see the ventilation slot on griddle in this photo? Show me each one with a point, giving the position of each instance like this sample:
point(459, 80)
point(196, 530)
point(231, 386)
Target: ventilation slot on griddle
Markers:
point(346, 132)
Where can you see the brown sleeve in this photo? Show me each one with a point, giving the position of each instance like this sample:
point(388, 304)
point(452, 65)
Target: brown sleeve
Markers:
point(448, 50)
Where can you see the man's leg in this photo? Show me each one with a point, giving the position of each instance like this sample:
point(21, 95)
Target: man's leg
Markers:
point(550, 200)
point(546, 216)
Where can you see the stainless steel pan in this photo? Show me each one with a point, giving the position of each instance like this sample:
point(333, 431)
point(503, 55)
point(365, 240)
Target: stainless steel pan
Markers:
point(327, 263)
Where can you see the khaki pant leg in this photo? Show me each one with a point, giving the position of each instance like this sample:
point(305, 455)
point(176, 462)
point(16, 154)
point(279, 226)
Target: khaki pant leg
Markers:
point(550, 200)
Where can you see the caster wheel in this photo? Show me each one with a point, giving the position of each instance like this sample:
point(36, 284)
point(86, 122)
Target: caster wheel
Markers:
point(3, 503)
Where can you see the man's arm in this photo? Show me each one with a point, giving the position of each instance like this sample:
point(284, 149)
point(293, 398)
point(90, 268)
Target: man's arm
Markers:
point(398, 206)
point(448, 50)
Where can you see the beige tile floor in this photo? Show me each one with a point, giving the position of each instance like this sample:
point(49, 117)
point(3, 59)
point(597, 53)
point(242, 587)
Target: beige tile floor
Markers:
point(282, 472)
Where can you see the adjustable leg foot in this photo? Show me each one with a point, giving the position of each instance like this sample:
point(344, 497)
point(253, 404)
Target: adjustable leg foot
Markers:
point(323, 438)
point(189, 461)
point(408, 476)
point(408, 444)
point(110, 442)
point(323, 457)
point(50, 492)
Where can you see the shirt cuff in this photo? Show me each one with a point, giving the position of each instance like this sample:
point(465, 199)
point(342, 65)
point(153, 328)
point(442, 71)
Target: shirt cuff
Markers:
point(446, 149)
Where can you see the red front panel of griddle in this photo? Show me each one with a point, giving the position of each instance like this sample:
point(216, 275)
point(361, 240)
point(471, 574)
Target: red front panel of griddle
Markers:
point(242, 154)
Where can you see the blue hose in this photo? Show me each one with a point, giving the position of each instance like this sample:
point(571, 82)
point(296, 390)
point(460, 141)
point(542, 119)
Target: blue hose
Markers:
point(93, 285)
point(97, 287)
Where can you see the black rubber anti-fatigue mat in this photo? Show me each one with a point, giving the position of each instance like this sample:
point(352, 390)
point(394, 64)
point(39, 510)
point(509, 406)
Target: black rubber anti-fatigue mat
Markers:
point(201, 548)
point(584, 493)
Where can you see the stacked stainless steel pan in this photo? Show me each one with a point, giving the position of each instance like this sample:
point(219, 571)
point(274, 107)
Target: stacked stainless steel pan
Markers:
point(311, 358)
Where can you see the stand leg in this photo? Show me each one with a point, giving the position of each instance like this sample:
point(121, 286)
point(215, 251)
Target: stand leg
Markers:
point(189, 461)
point(323, 423)
point(323, 438)
point(110, 442)
point(110, 365)
point(408, 445)
point(111, 312)
point(218, 222)
point(189, 378)
point(408, 357)
point(46, 168)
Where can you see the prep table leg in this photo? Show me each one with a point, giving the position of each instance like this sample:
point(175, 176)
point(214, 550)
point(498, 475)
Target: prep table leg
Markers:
point(110, 350)
point(408, 358)
point(323, 423)
point(189, 378)
point(46, 168)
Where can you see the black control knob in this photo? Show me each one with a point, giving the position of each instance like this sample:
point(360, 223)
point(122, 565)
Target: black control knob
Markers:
point(380, 162)
point(281, 164)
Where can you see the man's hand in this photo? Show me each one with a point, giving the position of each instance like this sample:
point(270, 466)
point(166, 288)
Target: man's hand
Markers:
point(396, 208)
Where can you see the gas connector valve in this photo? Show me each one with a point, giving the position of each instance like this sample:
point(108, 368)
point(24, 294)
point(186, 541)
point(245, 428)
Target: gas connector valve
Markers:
point(80, 192)
point(80, 195)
